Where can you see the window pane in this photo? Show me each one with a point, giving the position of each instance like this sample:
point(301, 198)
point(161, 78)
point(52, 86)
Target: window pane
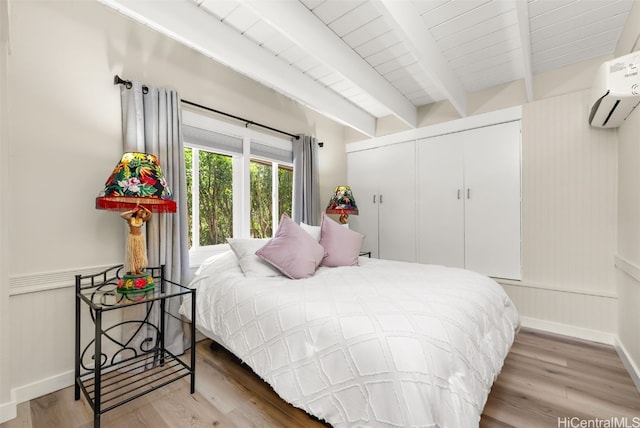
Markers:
point(188, 155)
point(216, 198)
point(285, 190)
point(261, 200)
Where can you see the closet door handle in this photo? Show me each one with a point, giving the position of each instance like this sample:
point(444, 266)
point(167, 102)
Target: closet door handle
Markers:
point(374, 199)
point(380, 198)
point(458, 193)
point(468, 193)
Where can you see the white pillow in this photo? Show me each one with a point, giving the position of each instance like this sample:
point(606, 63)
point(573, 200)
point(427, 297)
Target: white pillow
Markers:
point(314, 231)
point(252, 265)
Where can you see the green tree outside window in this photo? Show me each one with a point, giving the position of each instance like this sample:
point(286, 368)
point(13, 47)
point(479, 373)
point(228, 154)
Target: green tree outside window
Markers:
point(215, 194)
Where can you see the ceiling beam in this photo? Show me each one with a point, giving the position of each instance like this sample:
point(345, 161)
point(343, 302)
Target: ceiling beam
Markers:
point(184, 22)
point(406, 20)
point(522, 12)
point(295, 21)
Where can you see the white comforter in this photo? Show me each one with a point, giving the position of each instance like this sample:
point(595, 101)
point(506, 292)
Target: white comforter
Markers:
point(379, 345)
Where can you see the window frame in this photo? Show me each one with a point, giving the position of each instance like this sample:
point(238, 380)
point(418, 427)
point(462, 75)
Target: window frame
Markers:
point(241, 177)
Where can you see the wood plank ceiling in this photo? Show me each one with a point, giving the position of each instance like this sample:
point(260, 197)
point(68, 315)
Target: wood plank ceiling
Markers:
point(359, 60)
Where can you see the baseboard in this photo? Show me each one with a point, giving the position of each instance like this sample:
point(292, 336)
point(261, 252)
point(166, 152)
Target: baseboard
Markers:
point(43, 387)
point(33, 390)
point(569, 330)
point(8, 410)
point(629, 364)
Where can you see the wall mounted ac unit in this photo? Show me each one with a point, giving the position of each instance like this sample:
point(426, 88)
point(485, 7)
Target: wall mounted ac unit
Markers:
point(616, 91)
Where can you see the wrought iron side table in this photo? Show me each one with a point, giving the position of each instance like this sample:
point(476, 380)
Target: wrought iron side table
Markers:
point(117, 365)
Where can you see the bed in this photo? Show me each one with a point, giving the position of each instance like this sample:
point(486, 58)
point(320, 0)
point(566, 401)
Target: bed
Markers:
point(379, 344)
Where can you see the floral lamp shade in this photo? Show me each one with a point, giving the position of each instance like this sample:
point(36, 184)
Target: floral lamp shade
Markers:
point(136, 180)
point(342, 202)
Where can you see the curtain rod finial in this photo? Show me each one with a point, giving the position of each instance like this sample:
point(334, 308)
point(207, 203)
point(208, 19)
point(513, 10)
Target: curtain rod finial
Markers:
point(118, 81)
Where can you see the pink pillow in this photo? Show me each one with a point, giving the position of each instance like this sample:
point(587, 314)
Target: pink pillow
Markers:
point(292, 250)
point(341, 244)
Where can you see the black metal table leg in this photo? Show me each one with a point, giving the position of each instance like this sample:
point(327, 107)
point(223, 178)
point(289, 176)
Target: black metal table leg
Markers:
point(97, 361)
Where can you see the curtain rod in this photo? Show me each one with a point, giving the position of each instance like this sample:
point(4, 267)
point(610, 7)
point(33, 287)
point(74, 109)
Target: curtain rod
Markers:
point(127, 83)
point(242, 119)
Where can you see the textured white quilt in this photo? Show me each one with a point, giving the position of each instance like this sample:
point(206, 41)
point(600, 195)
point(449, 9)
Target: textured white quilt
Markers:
point(383, 344)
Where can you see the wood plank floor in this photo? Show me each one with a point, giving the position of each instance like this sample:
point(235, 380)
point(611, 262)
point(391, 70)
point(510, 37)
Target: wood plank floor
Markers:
point(545, 377)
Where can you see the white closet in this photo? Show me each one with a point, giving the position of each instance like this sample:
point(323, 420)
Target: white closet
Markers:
point(384, 187)
point(469, 200)
point(450, 196)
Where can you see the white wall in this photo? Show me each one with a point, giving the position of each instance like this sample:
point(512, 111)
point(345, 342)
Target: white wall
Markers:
point(628, 255)
point(61, 133)
point(628, 251)
point(569, 174)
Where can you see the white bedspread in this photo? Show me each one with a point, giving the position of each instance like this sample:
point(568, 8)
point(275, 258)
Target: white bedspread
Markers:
point(379, 345)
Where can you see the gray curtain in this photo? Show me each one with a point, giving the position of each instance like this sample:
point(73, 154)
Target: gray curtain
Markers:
point(306, 188)
point(151, 123)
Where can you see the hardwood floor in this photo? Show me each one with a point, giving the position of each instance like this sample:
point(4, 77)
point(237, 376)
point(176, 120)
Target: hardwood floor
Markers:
point(546, 381)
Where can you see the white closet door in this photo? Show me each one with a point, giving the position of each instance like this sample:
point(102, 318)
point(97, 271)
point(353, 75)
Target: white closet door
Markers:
point(396, 176)
point(492, 200)
point(441, 203)
point(362, 177)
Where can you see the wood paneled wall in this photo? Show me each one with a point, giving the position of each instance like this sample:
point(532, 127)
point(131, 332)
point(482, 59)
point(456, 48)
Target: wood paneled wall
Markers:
point(628, 255)
point(569, 186)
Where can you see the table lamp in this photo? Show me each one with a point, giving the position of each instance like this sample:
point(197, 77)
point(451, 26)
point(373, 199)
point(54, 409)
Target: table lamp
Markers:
point(342, 202)
point(136, 188)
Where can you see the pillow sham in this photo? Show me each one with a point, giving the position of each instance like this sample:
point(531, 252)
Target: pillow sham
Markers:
point(292, 250)
point(314, 231)
point(251, 265)
point(342, 245)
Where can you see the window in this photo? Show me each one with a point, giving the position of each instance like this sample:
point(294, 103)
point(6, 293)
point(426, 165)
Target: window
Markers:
point(235, 178)
point(261, 199)
point(212, 192)
point(263, 188)
point(285, 190)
